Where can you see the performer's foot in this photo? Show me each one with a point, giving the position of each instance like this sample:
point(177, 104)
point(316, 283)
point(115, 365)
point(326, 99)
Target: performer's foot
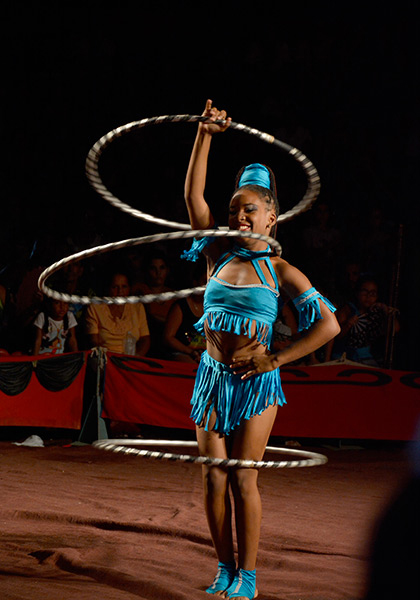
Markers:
point(224, 577)
point(243, 586)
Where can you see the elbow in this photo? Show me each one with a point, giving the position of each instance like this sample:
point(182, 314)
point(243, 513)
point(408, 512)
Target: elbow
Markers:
point(331, 328)
point(335, 328)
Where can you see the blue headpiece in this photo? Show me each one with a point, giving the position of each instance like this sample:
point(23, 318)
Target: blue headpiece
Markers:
point(255, 174)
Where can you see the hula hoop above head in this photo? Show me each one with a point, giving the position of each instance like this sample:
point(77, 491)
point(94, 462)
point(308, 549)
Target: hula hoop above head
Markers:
point(92, 173)
point(302, 458)
point(94, 155)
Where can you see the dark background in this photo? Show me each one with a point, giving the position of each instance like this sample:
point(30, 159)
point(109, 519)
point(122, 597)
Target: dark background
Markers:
point(340, 82)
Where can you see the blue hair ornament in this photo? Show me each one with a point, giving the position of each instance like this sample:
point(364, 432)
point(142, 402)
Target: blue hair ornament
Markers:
point(255, 174)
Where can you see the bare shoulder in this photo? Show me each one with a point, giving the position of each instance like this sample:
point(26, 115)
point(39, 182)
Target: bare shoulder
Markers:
point(286, 272)
point(291, 280)
point(215, 250)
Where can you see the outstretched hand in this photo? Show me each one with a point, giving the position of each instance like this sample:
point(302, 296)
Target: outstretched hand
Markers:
point(246, 366)
point(215, 115)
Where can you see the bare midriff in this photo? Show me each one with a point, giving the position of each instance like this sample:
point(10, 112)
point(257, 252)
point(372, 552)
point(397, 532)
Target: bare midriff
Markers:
point(224, 346)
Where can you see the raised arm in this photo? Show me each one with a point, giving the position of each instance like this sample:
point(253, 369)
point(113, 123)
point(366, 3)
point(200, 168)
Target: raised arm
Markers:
point(195, 182)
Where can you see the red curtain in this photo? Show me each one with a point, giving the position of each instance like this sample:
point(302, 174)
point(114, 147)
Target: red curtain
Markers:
point(345, 401)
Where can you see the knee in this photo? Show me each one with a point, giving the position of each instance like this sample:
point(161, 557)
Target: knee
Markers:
point(215, 481)
point(244, 482)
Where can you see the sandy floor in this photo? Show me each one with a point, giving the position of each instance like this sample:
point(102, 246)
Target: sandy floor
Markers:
point(78, 522)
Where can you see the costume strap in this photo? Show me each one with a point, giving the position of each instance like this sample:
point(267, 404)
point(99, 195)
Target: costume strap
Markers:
point(199, 245)
point(307, 305)
point(243, 586)
point(224, 577)
point(250, 254)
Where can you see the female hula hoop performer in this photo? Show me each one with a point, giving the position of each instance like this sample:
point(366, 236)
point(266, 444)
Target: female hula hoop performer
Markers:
point(237, 389)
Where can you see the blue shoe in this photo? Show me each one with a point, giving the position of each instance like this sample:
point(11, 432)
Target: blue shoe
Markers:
point(224, 577)
point(243, 585)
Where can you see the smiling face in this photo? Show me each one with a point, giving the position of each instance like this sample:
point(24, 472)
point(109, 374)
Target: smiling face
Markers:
point(250, 212)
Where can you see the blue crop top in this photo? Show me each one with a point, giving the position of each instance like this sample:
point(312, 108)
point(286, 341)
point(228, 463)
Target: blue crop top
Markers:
point(236, 308)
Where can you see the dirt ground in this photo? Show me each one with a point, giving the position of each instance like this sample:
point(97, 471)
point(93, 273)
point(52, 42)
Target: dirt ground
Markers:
point(80, 522)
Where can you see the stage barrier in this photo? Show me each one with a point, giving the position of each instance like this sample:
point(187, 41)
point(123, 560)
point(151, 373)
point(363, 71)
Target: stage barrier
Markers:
point(43, 391)
point(332, 401)
point(344, 401)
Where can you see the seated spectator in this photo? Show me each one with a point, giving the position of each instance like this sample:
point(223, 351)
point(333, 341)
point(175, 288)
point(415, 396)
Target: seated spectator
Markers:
point(363, 323)
point(156, 273)
point(55, 329)
point(346, 280)
point(120, 328)
point(285, 329)
point(69, 280)
point(184, 342)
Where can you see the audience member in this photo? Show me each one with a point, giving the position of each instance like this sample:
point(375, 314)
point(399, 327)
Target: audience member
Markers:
point(133, 266)
point(184, 342)
point(120, 328)
point(54, 329)
point(363, 325)
point(69, 280)
point(156, 273)
point(285, 329)
point(346, 280)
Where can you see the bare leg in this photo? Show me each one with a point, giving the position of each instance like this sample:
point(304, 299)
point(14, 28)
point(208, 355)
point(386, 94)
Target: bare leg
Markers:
point(249, 442)
point(216, 495)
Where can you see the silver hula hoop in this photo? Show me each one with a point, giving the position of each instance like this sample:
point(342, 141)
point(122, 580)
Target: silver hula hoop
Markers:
point(93, 157)
point(146, 299)
point(304, 457)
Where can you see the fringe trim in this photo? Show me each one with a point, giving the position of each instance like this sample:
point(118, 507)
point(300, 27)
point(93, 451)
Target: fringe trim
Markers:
point(237, 324)
point(198, 245)
point(234, 399)
point(307, 305)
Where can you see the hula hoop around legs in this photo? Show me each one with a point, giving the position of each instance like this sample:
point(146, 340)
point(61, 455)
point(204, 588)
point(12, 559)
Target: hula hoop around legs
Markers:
point(307, 459)
point(93, 157)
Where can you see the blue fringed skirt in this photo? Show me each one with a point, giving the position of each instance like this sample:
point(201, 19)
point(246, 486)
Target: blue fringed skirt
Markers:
point(233, 399)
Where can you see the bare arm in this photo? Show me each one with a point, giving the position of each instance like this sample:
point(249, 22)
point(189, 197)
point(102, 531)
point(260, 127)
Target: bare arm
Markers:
point(294, 283)
point(195, 181)
point(173, 323)
point(143, 345)
point(94, 340)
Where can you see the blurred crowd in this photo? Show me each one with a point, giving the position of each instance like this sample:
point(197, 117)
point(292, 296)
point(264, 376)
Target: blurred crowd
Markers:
point(356, 272)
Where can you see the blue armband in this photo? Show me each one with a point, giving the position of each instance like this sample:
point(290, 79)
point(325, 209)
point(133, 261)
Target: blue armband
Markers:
point(307, 305)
